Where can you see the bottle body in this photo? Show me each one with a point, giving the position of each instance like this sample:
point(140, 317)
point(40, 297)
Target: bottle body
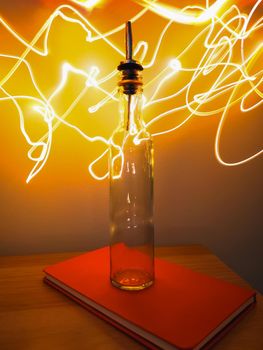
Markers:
point(131, 201)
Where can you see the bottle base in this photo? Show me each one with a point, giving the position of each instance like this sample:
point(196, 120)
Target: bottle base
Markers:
point(132, 280)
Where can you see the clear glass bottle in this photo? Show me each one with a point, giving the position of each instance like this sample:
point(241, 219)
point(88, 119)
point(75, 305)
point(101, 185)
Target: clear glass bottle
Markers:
point(131, 191)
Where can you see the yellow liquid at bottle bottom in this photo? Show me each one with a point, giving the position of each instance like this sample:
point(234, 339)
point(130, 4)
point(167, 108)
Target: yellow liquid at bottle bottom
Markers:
point(132, 279)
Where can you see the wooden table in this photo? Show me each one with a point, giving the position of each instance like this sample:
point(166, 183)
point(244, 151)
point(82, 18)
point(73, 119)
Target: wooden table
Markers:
point(33, 316)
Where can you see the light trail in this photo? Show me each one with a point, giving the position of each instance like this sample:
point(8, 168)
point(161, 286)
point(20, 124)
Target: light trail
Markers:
point(223, 35)
point(89, 4)
point(189, 15)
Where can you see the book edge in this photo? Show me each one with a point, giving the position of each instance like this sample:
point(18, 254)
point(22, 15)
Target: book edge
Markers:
point(138, 332)
point(119, 326)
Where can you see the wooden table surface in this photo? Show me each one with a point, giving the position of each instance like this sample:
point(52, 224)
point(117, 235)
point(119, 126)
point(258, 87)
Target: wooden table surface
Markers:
point(33, 316)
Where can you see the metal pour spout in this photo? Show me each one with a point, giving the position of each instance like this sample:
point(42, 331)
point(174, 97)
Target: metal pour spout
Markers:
point(129, 43)
point(130, 69)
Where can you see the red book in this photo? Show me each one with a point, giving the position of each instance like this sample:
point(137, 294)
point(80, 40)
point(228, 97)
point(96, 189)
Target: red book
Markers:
point(184, 309)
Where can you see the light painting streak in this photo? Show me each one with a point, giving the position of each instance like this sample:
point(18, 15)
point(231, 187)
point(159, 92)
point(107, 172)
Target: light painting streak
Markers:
point(185, 16)
point(219, 44)
point(89, 4)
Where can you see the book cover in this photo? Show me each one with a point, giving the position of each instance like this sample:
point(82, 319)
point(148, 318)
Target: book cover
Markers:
point(184, 309)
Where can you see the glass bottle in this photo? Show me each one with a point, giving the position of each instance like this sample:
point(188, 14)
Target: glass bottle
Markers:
point(131, 189)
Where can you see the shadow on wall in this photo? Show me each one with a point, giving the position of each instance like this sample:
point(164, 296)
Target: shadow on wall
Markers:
point(244, 258)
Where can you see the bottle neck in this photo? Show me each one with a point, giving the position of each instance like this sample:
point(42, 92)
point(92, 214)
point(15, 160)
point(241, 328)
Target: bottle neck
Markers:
point(130, 111)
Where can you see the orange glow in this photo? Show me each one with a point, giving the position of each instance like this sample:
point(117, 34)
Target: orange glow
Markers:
point(61, 80)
